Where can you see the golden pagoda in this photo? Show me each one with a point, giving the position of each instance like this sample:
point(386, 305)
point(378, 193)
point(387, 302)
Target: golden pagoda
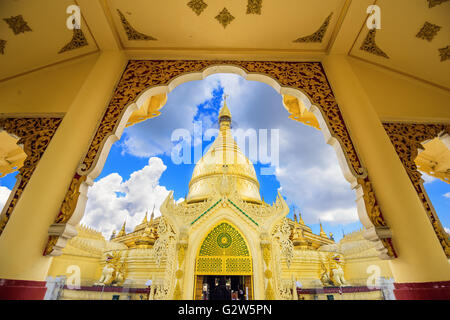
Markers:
point(224, 229)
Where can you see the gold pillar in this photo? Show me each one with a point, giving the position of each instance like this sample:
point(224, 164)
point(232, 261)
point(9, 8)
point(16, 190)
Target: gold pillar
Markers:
point(24, 238)
point(420, 255)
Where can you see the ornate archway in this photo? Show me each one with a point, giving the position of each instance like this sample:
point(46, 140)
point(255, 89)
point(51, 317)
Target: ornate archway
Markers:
point(223, 252)
point(35, 134)
point(406, 139)
point(300, 79)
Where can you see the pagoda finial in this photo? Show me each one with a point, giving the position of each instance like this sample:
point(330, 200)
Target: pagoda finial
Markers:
point(300, 220)
point(122, 231)
point(145, 218)
point(295, 215)
point(224, 114)
point(322, 233)
point(153, 214)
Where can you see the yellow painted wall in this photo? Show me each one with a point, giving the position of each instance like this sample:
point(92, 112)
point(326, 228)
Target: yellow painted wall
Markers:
point(49, 90)
point(89, 266)
point(397, 97)
point(357, 268)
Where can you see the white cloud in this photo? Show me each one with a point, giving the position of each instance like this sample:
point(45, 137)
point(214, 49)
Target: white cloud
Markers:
point(153, 137)
point(427, 178)
point(447, 230)
point(111, 200)
point(4, 194)
point(447, 195)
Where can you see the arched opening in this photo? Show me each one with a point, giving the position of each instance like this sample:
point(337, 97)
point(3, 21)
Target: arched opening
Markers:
point(333, 130)
point(148, 105)
point(223, 256)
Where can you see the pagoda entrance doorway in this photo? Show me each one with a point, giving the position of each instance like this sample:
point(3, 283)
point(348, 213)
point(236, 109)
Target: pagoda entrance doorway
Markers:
point(237, 287)
point(223, 260)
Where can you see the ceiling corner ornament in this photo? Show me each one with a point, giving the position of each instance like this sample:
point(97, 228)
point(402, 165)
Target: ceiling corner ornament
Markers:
point(309, 77)
point(370, 46)
point(197, 6)
point(224, 17)
point(318, 35)
point(78, 41)
point(17, 24)
point(254, 6)
point(432, 3)
point(34, 134)
point(407, 139)
point(444, 53)
point(2, 46)
point(132, 34)
point(428, 31)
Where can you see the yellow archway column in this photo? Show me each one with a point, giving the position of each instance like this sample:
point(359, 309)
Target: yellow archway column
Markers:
point(22, 242)
point(421, 259)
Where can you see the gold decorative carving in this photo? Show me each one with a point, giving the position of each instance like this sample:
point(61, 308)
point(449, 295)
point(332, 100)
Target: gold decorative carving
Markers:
point(197, 6)
point(78, 41)
point(370, 46)
point(269, 291)
point(224, 17)
point(432, 3)
point(428, 31)
point(17, 24)
point(374, 212)
point(318, 35)
point(2, 46)
point(148, 110)
point(34, 134)
point(254, 6)
point(132, 34)
point(407, 139)
point(309, 77)
point(444, 53)
point(298, 112)
point(266, 253)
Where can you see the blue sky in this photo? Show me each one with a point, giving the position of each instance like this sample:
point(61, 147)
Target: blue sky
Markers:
point(139, 171)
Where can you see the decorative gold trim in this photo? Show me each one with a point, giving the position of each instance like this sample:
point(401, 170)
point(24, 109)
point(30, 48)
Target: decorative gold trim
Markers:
point(370, 46)
point(132, 34)
point(197, 6)
point(407, 139)
point(2, 46)
point(309, 77)
point(428, 31)
point(318, 35)
point(432, 3)
point(17, 24)
point(78, 41)
point(34, 134)
point(444, 53)
point(254, 6)
point(224, 17)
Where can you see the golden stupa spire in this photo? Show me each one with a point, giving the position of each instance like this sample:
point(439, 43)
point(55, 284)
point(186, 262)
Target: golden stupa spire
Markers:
point(145, 218)
point(224, 114)
point(300, 220)
point(224, 166)
point(322, 233)
point(122, 230)
point(153, 214)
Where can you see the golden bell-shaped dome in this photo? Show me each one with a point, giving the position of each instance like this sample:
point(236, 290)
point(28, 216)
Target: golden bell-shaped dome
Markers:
point(224, 159)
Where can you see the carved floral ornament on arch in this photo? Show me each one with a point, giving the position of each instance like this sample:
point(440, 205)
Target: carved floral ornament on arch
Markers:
point(407, 139)
point(306, 80)
point(34, 133)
